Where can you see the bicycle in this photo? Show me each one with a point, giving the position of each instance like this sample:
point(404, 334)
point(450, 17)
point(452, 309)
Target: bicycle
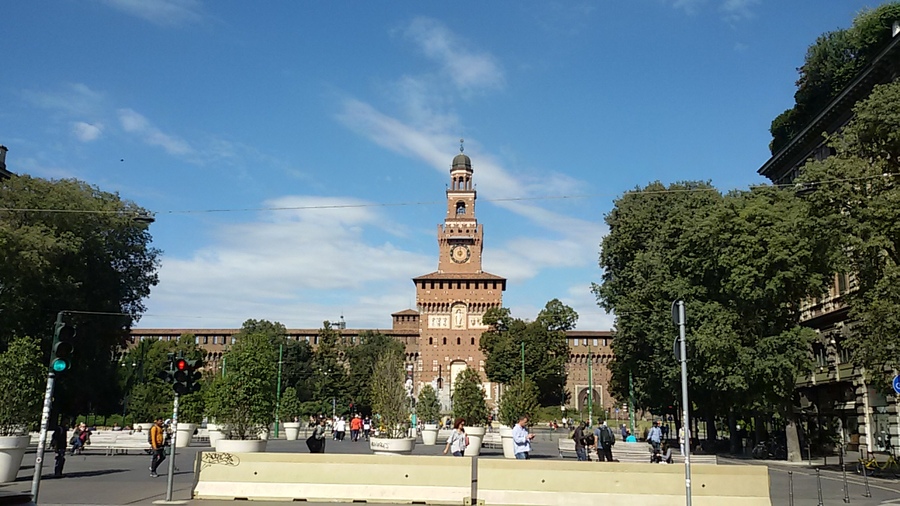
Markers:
point(871, 466)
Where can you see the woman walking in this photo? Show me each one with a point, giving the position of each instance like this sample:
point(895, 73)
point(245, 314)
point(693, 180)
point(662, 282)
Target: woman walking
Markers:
point(458, 439)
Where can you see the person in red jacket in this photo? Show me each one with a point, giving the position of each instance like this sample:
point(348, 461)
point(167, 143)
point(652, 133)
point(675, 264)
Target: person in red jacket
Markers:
point(355, 426)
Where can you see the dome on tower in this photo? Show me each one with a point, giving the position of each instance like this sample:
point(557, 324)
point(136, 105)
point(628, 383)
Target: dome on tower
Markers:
point(461, 161)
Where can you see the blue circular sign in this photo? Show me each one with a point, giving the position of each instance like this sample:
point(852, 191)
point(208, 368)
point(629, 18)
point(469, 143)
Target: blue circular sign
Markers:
point(896, 384)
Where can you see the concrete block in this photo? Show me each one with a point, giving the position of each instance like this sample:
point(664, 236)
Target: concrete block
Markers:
point(328, 477)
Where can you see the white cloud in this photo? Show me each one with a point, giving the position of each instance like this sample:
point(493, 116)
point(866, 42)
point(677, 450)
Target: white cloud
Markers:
point(590, 315)
point(291, 266)
point(737, 10)
point(468, 69)
point(75, 99)
point(135, 123)
point(160, 12)
point(86, 132)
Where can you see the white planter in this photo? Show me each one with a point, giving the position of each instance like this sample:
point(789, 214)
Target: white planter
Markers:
point(429, 434)
point(12, 449)
point(509, 448)
point(241, 445)
point(144, 426)
point(384, 446)
point(215, 435)
point(476, 437)
point(291, 430)
point(184, 434)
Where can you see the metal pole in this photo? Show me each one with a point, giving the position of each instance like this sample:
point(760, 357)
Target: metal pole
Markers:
point(631, 403)
point(42, 442)
point(278, 388)
point(819, 487)
point(171, 477)
point(223, 365)
point(865, 473)
point(590, 386)
point(523, 362)
point(791, 487)
point(685, 404)
point(844, 472)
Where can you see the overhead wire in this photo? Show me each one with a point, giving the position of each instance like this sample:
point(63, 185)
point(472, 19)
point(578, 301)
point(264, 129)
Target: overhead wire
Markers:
point(805, 184)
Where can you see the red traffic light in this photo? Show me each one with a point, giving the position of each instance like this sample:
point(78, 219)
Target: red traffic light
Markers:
point(181, 364)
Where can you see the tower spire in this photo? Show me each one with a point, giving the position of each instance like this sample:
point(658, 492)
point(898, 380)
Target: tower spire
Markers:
point(461, 149)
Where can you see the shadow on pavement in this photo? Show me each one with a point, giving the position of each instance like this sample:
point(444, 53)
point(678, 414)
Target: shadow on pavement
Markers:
point(79, 474)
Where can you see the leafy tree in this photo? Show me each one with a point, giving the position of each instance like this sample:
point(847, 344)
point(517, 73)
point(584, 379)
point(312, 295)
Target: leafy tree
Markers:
point(22, 377)
point(468, 398)
point(831, 63)
point(290, 406)
point(245, 398)
point(428, 407)
point(546, 350)
point(329, 370)
point(96, 258)
point(361, 359)
point(389, 400)
point(297, 370)
point(518, 399)
point(857, 197)
point(146, 395)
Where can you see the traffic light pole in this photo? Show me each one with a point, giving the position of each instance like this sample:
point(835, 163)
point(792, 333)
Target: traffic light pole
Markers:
point(171, 477)
point(42, 442)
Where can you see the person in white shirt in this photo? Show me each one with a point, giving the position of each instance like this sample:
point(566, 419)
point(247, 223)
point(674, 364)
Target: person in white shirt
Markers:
point(340, 428)
point(457, 441)
point(522, 439)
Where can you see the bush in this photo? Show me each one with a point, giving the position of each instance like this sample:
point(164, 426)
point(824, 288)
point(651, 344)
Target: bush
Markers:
point(389, 400)
point(22, 377)
point(468, 398)
point(290, 406)
point(428, 408)
point(519, 399)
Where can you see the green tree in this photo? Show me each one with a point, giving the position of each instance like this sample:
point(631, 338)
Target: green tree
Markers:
point(546, 350)
point(245, 397)
point(95, 258)
point(468, 398)
point(857, 197)
point(389, 400)
point(329, 369)
point(361, 359)
point(22, 377)
point(146, 396)
point(298, 371)
point(290, 406)
point(518, 399)
point(428, 407)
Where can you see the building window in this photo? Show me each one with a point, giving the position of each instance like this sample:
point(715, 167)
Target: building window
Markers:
point(819, 355)
point(842, 283)
point(584, 342)
point(197, 340)
point(605, 342)
point(233, 340)
point(445, 340)
point(205, 339)
point(460, 208)
point(430, 340)
point(595, 342)
point(458, 341)
point(473, 340)
point(842, 352)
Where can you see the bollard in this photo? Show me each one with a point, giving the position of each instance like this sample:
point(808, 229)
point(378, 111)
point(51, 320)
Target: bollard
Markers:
point(819, 487)
point(865, 473)
point(844, 472)
point(791, 486)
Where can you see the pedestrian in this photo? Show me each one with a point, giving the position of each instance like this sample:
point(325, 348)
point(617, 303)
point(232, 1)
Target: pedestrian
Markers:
point(316, 440)
point(655, 435)
point(681, 439)
point(367, 427)
point(578, 436)
point(58, 443)
point(157, 440)
point(624, 432)
point(355, 428)
point(340, 428)
point(522, 439)
point(604, 441)
point(458, 440)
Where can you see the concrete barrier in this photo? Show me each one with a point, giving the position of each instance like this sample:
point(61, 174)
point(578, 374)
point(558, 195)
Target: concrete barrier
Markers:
point(558, 483)
point(329, 477)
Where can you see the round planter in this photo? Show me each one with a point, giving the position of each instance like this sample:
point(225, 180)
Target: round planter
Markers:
point(12, 449)
point(184, 434)
point(476, 436)
point(291, 430)
point(429, 434)
point(509, 448)
point(241, 445)
point(384, 446)
point(215, 435)
point(144, 426)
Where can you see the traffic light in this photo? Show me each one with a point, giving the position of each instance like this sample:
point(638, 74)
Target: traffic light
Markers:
point(168, 374)
point(63, 347)
point(186, 376)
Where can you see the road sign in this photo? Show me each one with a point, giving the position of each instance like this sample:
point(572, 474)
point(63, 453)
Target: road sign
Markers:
point(896, 384)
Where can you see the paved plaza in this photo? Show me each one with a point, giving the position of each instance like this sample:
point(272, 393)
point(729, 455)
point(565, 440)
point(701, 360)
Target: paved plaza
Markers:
point(95, 479)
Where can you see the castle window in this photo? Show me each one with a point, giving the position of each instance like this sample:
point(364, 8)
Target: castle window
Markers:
point(205, 339)
point(458, 341)
point(460, 208)
point(595, 342)
point(430, 340)
point(445, 340)
point(605, 342)
point(473, 340)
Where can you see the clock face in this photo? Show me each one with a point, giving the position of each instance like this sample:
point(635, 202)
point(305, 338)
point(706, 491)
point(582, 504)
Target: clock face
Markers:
point(459, 254)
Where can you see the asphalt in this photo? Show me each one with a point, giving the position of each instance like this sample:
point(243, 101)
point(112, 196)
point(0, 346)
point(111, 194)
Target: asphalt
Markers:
point(95, 479)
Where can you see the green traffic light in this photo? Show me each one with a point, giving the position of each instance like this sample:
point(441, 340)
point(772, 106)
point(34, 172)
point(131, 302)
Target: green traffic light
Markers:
point(59, 365)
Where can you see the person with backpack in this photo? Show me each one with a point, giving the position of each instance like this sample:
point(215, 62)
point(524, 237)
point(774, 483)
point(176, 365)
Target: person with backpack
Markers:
point(604, 441)
point(655, 435)
point(580, 446)
point(157, 443)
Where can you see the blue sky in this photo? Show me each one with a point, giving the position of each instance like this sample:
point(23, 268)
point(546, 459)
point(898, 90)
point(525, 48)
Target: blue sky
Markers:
point(191, 106)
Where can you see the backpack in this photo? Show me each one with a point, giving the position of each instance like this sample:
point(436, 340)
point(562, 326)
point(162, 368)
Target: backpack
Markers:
point(587, 440)
point(606, 436)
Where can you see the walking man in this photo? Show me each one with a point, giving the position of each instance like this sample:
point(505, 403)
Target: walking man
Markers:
point(522, 439)
point(578, 436)
point(604, 440)
point(655, 435)
point(355, 427)
point(58, 443)
point(157, 440)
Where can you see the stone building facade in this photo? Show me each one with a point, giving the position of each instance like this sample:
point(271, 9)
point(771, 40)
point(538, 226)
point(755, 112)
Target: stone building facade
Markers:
point(442, 334)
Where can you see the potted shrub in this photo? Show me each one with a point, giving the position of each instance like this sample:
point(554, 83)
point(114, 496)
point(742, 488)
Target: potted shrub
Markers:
point(391, 404)
point(190, 414)
point(244, 400)
point(518, 399)
point(22, 377)
point(428, 408)
point(289, 409)
point(468, 403)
